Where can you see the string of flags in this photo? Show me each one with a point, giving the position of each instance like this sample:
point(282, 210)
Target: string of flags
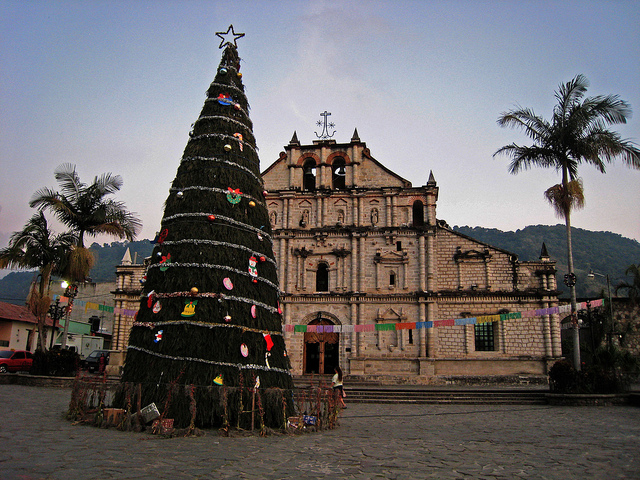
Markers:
point(439, 323)
point(380, 326)
point(87, 305)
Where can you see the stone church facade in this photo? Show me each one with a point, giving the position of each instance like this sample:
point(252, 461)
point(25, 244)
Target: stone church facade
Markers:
point(358, 245)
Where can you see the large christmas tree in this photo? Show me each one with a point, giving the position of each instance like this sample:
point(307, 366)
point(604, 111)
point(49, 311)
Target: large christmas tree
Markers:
point(209, 322)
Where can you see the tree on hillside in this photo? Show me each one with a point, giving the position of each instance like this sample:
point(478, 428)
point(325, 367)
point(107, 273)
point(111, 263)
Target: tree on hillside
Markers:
point(576, 134)
point(209, 320)
point(35, 246)
point(85, 210)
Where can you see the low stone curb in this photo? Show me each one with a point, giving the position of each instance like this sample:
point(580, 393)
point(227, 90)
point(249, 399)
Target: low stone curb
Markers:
point(588, 400)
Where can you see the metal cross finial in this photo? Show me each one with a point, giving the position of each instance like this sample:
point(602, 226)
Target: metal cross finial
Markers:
point(325, 132)
point(229, 37)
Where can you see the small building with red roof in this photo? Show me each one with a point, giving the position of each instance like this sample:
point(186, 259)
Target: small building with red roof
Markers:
point(19, 327)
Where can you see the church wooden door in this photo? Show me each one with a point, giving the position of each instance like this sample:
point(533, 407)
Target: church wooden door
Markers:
point(320, 350)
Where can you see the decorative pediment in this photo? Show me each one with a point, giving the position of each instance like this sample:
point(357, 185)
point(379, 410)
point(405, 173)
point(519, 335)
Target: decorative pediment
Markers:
point(390, 256)
point(461, 256)
point(305, 203)
point(390, 315)
point(341, 202)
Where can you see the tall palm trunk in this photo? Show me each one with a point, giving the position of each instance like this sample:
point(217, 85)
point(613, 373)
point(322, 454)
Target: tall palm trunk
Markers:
point(572, 287)
point(574, 303)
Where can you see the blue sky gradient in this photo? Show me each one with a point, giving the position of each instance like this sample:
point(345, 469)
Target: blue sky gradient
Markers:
point(114, 86)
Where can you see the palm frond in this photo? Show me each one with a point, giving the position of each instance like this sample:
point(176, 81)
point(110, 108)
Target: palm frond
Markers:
point(69, 180)
point(570, 94)
point(108, 183)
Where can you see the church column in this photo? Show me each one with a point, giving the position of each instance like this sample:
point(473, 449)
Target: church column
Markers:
point(431, 267)
point(546, 333)
point(387, 210)
point(405, 273)
point(556, 345)
point(355, 336)
point(303, 272)
point(298, 267)
point(394, 210)
point(554, 322)
point(423, 331)
point(285, 213)
point(422, 263)
point(355, 174)
point(354, 263)
point(432, 334)
point(282, 264)
point(361, 253)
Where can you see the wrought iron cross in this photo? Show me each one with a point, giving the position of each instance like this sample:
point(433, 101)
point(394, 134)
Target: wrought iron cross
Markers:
point(325, 126)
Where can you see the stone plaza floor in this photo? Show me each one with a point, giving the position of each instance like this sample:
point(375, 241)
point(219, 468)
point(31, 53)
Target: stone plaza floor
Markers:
point(373, 441)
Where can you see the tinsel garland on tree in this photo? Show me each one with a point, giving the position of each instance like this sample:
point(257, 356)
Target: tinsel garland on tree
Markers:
point(210, 316)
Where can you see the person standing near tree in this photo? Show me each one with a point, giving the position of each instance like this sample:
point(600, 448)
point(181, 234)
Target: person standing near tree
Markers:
point(338, 388)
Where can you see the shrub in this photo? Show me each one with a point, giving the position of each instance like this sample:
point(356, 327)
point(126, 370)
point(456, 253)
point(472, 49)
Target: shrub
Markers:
point(611, 371)
point(55, 362)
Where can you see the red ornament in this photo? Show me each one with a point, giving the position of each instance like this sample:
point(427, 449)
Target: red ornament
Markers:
point(163, 235)
point(263, 259)
point(267, 338)
point(211, 217)
point(150, 298)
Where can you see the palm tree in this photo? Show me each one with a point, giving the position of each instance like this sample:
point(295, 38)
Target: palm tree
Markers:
point(35, 246)
point(84, 209)
point(633, 287)
point(576, 134)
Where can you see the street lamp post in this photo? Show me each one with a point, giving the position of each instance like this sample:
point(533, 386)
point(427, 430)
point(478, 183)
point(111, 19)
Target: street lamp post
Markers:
point(70, 292)
point(56, 312)
point(593, 274)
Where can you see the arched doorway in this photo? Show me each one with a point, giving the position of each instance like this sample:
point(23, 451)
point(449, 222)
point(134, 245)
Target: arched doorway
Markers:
point(321, 350)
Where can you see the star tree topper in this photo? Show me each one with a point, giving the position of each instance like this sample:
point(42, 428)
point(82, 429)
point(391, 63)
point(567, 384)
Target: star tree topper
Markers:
point(229, 37)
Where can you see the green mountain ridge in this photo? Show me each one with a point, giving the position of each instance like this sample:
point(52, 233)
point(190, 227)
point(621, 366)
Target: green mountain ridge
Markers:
point(603, 252)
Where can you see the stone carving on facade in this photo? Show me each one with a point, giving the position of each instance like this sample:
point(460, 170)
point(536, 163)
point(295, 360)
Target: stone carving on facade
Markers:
point(304, 219)
point(374, 216)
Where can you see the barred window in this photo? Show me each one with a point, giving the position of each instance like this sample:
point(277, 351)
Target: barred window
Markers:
point(484, 333)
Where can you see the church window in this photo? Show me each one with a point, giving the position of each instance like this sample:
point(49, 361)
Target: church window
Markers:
point(339, 174)
point(410, 336)
point(485, 337)
point(309, 175)
point(398, 246)
point(418, 214)
point(392, 279)
point(322, 278)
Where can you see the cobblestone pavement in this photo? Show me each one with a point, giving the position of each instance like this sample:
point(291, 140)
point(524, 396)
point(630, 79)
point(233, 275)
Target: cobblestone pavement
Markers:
point(373, 441)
